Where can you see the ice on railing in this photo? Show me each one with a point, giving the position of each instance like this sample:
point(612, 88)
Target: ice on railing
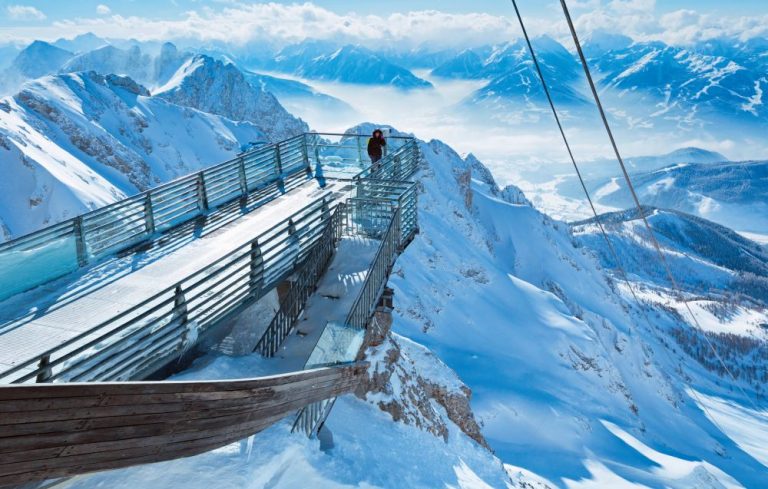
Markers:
point(338, 344)
point(23, 269)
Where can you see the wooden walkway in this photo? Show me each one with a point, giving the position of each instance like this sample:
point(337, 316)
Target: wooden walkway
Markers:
point(50, 431)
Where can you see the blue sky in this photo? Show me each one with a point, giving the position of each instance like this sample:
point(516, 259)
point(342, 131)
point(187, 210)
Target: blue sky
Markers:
point(401, 21)
point(60, 10)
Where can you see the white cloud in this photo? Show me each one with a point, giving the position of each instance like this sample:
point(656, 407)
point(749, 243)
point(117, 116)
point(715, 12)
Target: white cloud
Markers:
point(278, 23)
point(102, 9)
point(24, 12)
point(294, 22)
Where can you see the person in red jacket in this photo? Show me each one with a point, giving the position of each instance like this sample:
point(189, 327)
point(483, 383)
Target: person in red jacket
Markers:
point(376, 147)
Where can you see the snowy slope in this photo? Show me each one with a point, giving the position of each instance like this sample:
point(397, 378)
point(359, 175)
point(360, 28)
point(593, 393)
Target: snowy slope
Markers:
point(38, 59)
point(368, 448)
point(708, 258)
point(212, 86)
point(112, 60)
point(71, 143)
point(734, 194)
point(531, 323)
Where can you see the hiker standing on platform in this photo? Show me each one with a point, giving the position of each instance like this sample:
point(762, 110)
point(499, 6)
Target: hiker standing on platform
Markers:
point(376, 148)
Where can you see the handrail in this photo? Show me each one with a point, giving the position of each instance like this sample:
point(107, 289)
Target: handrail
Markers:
point(376, 279)
point(76, 242)
point(71, 244)
point(244, 272)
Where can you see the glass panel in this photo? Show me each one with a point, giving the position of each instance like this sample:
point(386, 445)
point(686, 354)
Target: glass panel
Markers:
point(338, 344)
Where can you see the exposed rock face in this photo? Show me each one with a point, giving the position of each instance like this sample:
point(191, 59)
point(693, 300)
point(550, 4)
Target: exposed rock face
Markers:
point(212, 86)
point(415, 387)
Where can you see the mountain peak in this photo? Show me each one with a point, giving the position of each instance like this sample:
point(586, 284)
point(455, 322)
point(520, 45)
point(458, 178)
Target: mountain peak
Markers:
point(211, 85)
point(40, 58)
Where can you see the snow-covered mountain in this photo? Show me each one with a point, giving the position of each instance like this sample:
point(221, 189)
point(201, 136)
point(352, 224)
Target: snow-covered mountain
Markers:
point(734, 194)
point(679, 81)
point(112, 60)
point(513, 86)
point(220, 88)
point(38, 59)
point(294, 94)
point(560, 367)
point(707, 258)
point(347, 64)
point(716, 87)
point(81, 43)
point(71, 143)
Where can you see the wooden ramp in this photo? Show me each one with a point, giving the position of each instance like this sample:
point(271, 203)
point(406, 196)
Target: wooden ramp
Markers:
point(58, 430)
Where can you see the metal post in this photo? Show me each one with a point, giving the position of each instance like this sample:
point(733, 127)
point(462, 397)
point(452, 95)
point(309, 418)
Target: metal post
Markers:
point(80, 247)
point(202, 197)
point(326, 210)
point(180, 305)
point(279, 169)
point(359, 151)
point(256, 278)
point(149, 218)
point(305, 154)
point(45, 373)
point(317, 151)
point(242, 177)
point(397, 168)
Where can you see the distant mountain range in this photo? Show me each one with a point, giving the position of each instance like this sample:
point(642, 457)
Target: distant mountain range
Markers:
point(347, 64)
point(652, 85)
point(90, 53)
point(704, 256)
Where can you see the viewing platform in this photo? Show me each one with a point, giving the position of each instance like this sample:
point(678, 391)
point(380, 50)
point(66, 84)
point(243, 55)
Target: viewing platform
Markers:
point(297, 237)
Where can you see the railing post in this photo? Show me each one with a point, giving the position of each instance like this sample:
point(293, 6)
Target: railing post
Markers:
point(80, 248)
point(279, 168)
point(359, 151)
point(202, 196)
point(325, 210)
point(317, 151)
point(291, 227)
point(256, 277)
point(305, 154)
point(396, 171)
point(45, 370)
point(149, 217)
point(180, 305)
point(242, 178)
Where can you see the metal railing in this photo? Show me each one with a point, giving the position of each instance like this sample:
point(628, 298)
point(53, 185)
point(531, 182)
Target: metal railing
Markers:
point(401, 194)
point(339, 344)
point(149, 334)
point(301, 287)
point(349, 154)
point(53, 252)
point(397, 165)
point(377, 276)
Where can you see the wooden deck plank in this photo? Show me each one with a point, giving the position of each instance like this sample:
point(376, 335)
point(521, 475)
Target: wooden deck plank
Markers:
point(75, 444)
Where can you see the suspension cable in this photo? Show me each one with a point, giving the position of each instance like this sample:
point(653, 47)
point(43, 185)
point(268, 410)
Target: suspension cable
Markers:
point(545, 86)
point(622, 271)
point(631, 187)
